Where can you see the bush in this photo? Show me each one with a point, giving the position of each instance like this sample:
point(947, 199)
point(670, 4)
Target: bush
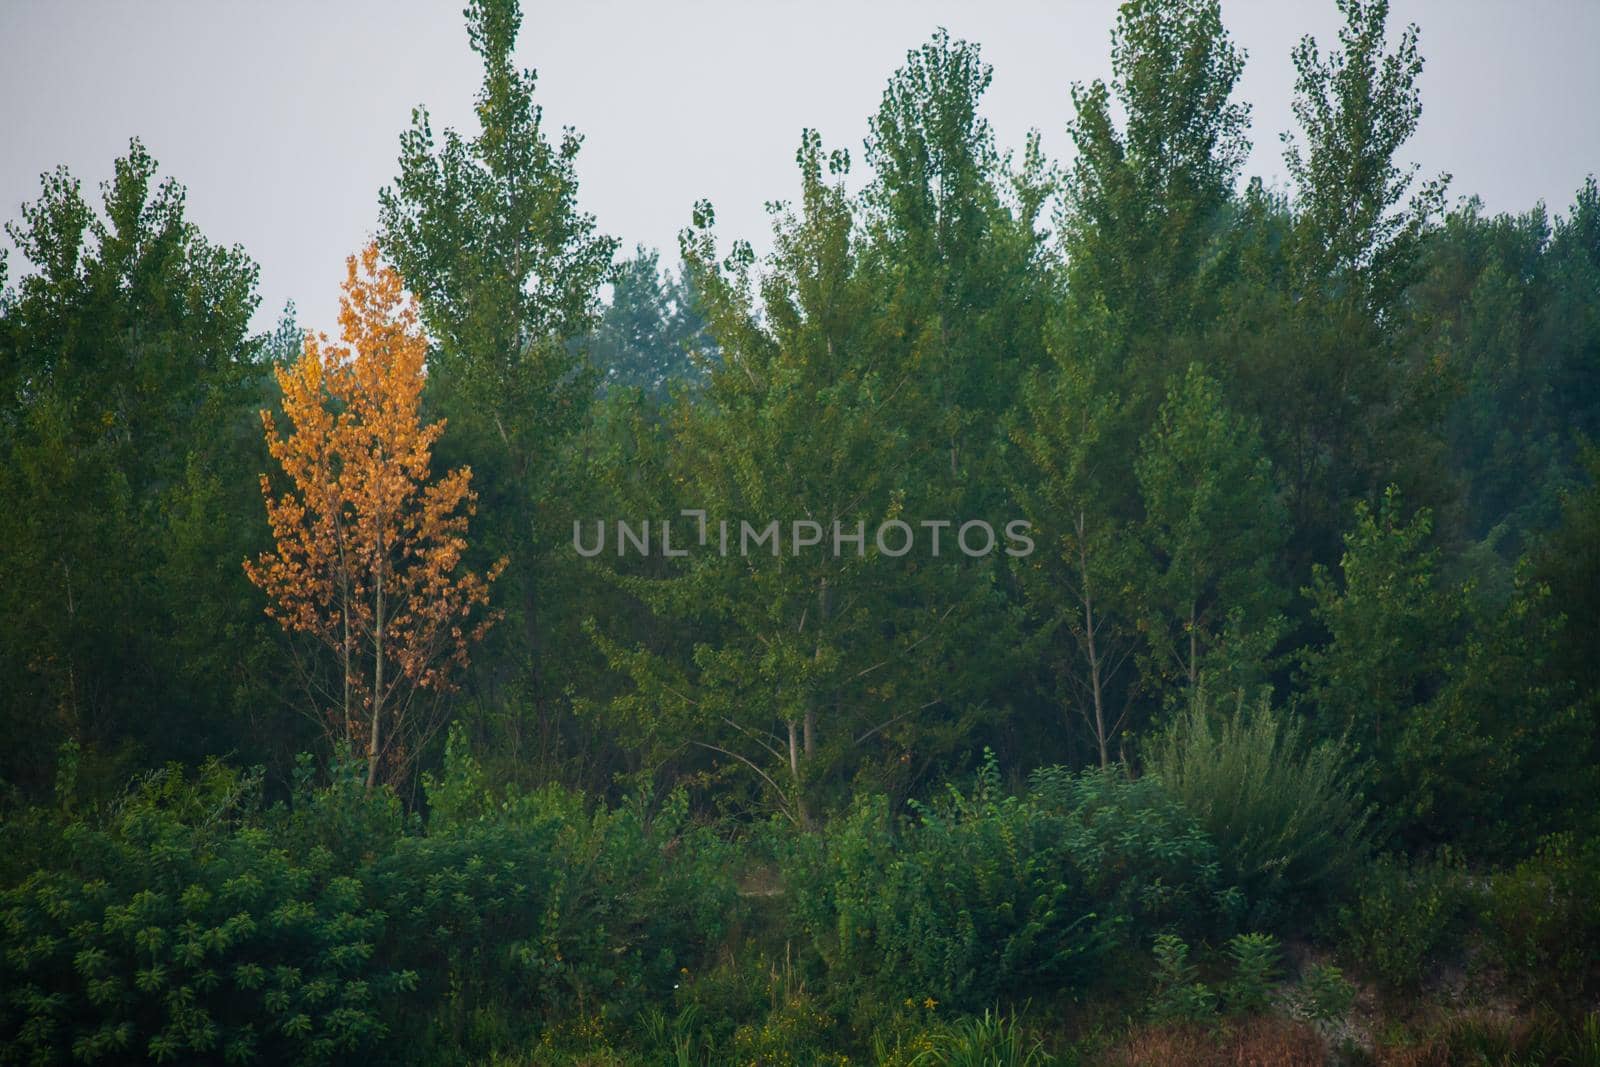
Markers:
point(180, 934)
point(1286, 815)
point(1405, 917)
point(1544, 921)
point(191, 926)
point(990, 1040)
point(982, 895)
point(1180, 996)
point(543, 908)
point(1255, 972)
point(1325, 996)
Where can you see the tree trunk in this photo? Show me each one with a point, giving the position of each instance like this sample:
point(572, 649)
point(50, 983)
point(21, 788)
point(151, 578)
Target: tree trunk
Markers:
point(1091, 649)
point(811, 710)
point(1194, 650)
point(377, 692)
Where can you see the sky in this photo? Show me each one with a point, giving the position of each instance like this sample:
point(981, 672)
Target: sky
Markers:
point(283, 119)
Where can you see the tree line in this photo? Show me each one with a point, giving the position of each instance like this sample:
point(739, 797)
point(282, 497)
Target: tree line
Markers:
point(1324, 448)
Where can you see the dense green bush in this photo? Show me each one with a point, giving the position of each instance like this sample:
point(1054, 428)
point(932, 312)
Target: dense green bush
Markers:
point(1405, 917)
point(1256, 969)
point(1286, 814)
point(1179, 995)
point(532, 902)
point(1543, 921)
point(982, 895)
point(989, 1040)
point(187, 935)
point(189, 926)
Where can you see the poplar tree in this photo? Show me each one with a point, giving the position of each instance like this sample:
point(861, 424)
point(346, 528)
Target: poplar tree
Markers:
point(368, 544)
point(487, 231)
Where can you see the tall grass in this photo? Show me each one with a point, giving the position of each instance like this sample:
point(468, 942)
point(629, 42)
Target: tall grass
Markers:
point(990, 1041)
point(1286, 813)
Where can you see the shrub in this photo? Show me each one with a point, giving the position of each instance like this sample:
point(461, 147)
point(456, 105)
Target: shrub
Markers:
point(1255, 971)
point(1286, 815)
point(540, 905)
point(1544, 920)
point(1325, 996)
point(990, 1040)
point(180, 934)
point(679, 1041)
point(189, 926)
point(983, 895)
point(1180, 996)
point(795, 1029)
point(1405, 917)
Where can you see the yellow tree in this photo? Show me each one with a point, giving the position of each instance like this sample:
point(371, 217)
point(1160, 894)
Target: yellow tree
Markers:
point(368, 549)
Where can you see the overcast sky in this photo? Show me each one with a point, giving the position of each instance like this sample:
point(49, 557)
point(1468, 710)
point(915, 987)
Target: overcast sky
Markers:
point(283, 118)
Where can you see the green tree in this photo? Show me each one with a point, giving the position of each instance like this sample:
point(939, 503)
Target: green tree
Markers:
point(1326, 369)
point(507, 269)
point(1213, 528)
point(955, 232)
point(651, 334)
point(127, 372)
point(1145, 201)
point(1078, 586)
point(1391, 629)
point(808, 665)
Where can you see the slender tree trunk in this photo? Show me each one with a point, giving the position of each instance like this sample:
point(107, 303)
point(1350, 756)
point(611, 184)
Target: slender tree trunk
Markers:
point(801, 814)
point(811, 710)
point(74, 714)
point(377, 691)
point(1091, 648)
point(1194, 649)
point(349, 660)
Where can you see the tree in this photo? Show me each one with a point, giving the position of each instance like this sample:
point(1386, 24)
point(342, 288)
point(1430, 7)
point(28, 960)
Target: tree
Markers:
point(1386, 621)
point(651, 334)
point(811, 666)
point(954, 231)
point(1146, 202)
point(368, 547)
point(507, 270)
point(1212, 529)
point(1067, 432)
point(128, 379)
point(1392, 631)
point(1327, 369)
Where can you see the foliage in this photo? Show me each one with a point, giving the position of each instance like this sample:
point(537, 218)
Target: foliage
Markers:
point(1325, 996)
point(1404, 916)
point(165, 936)
point(798, 667)
point(1200, 394)
point(127, 373)
point(192, 925)
point(488, 233)
point(651, 335)
point(1543, 918)
point(1180, 996)
point(982, 896)
point(989, 1040)
point(1256, 969)
point(368, 545)
point(1213, 527)
point(1285, 812)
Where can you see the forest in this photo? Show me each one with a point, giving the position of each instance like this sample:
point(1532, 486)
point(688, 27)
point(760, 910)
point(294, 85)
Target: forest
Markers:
point(1266, 731)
